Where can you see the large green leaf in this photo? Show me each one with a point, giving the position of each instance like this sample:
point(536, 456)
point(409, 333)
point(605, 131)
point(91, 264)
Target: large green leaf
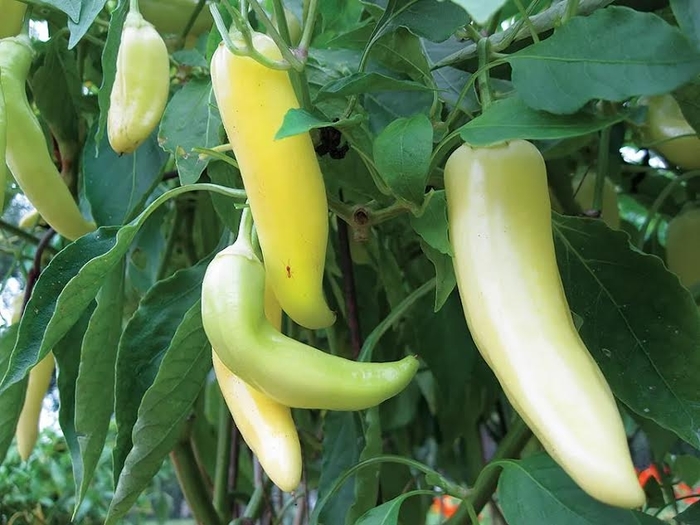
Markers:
point(163, 410)
point(143, 344)
point(67, 353)
point(639, 323)
point(537, 490)
point(510, 118)
point(342, 446)
point(614, 54)
point(12, 399)
point(402, 155)
point(94, 387)
point(191, 120)
point(131, 177)
point(367, 480)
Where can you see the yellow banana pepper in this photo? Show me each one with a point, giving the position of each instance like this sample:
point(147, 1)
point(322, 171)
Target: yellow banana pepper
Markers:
point(282, 178)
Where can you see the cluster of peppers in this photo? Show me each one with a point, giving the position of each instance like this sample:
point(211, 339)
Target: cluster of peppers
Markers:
point(500, 229)
point(24, 151)
point(242, 298)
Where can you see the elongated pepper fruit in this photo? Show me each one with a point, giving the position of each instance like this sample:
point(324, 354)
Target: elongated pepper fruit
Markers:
point(141, 85)
point(683, 247)
point(267, 426)
point(282, 179)
point(669, 132)
point(27, 430)
point(27, 154)
point(290, 372)
point(28, 424)
point(514, 303)
point(11, 17)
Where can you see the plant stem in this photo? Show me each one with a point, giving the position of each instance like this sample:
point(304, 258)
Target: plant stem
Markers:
point(527, 21)
point(223, 458)
point(517, 437)
point(254, 506)
point(190, 480)
point(35, 271)
point(483, 78)
point(656, 206)
point(281, 42)
point(349, 290)
point(193, 18)
point(571, 10)
point(543, 21)
point(308, 32)
point(170, 243)
point(25, 236)
point(396, 314)
point(603, 168)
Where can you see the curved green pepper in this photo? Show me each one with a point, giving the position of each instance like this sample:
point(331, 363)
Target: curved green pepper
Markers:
point(291, 373)
point(27, 154)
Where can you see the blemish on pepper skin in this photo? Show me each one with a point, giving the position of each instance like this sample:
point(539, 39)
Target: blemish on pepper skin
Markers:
point(289, 270)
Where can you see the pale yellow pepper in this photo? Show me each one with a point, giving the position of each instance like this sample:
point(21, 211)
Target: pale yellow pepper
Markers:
point(266, 426)
point(514, 303)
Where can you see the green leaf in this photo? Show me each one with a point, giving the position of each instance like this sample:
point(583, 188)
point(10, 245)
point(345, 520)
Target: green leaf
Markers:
point(445, 280)
point(385, 108)
point(402, 155)
point(145, 256)
point(431, 19)
point(109, 64)
point(646, 339)
point(367, 479)
point(690, 516)
point(537, 490)
point(70, 282)
point(145, 340)
point(451, 82)
point(72, 9)
point(191, 119)
point(224, 174)
point(298, 121)
point(117, 186)
point(67, 353)
point(12, 399)
point(510, 118)
point(89, 9)
point(63, 291)
point(363, 82)
point(481, 11)
point(688, 98)
point(94, 388)
point(163, 411)
point(342, 443)
point(395, 478)
point(687, 13)
point(633, 53)
point(432, 225)
point(56, 86)
point(386, 513)
point(687, 469)
point(463, 381)
point(402, 52)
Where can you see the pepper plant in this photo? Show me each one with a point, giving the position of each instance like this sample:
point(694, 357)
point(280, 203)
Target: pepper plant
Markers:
point(465, 339)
